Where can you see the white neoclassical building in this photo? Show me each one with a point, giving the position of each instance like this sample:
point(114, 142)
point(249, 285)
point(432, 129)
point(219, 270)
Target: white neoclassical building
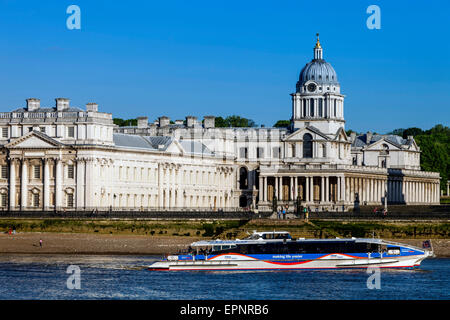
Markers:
point(66, 158)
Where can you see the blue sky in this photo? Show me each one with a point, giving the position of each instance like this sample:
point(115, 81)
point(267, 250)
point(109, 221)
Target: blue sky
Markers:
point(221, 58)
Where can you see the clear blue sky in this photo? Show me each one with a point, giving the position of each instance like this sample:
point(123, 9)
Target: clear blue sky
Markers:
point(220, 58)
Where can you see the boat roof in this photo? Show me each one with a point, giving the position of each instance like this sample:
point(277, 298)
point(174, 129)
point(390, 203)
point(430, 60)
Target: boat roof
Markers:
point(261, 241)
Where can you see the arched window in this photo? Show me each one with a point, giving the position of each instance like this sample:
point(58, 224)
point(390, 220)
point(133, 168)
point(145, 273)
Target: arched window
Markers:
point(243, 178)
point(311, 112)
point(385, 149)
point(307, 146)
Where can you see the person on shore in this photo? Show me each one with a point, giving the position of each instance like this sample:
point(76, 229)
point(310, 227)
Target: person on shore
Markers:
point(40, 243)
point(284, 214)
point(278, 213)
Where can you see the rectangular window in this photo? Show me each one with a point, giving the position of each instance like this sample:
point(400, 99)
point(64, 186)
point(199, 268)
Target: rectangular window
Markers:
point(71, 132)
point(37, 172)
point(4, 172)
point(42, 129)
point(30, 129)
point(5, 132)
point(70, 171)
point(35, 200)
point(276, 152)
point(70, 200)
point(260, 153)
point(244, 153)
point(4, 199)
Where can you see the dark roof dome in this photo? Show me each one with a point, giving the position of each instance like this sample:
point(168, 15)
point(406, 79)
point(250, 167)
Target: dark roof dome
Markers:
point(318, 70)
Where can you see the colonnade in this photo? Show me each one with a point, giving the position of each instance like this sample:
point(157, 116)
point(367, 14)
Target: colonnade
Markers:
point(352, 189)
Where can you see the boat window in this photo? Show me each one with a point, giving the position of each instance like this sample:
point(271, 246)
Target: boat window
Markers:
point(216, 248)
point(393, 251)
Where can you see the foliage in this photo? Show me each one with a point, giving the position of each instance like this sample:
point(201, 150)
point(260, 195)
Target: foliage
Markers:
point(282, 124)
point(235, 122)
point(435, 146)
point(125, 123)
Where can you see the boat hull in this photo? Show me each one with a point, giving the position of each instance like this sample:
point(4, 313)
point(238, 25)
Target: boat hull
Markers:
point(326, 262)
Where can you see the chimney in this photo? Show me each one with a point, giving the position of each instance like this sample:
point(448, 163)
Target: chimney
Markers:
point(191, 121)
point(33, 104)
point(164, 121)
point(368, 137)
point(353, 136)
point(142, 122)
point(179, 122)
point(92, 107)
point(209, 122)
point(62, 104)
point(410, 138)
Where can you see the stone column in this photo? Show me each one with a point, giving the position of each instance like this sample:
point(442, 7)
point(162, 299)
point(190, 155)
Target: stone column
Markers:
point(338, 195)
point(280, 189)
point(311, 187)
point(261, 189)
point(291, 188)
point(12, 184)
point(88, 182)
point(24, 184)
point(160, 186)
point(307, 189)
point(58, 184)
point(265, 189)
point(322, 190)
point(327, 189)
point(295, 188)
point(276, 188)
point(80, 174)
point(343, 189)
point(46, 184)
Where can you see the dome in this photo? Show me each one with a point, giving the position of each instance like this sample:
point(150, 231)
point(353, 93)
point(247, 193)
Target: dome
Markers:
point(319, 71)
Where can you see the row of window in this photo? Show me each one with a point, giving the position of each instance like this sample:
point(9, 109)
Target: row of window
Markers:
point(70, 131)
point(243, 152)
point(36, 170)
point(36, 200)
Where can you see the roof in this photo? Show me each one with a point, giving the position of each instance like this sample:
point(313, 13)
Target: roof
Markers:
point(160, 143)
point(195, 147)
point(362, 141)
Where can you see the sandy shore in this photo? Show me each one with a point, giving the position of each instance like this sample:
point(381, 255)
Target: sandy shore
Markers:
point(76, 243)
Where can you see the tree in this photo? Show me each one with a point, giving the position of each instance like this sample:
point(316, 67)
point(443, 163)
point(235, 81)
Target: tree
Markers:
point(282, 124)
point(235, 122)
point(124, 123)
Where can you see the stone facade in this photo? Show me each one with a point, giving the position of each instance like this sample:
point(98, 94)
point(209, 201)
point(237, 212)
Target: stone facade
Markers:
point(65, 158)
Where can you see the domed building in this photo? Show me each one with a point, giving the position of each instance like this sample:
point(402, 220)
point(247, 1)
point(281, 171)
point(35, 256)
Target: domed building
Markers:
point(64, 158)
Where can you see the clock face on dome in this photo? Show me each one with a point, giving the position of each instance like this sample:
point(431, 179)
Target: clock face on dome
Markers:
point(312, 87)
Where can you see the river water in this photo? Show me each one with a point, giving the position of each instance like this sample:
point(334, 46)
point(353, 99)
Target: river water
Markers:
point(125, 277)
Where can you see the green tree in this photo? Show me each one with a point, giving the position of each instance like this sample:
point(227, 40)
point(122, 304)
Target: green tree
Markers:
point(282, 124)
point(124, 123)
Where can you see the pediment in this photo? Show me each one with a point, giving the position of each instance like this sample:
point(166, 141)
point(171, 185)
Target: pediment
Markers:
point(298, 134)
point(34, 140)
point(341, 135)
point(378, 145)
point(175, 147)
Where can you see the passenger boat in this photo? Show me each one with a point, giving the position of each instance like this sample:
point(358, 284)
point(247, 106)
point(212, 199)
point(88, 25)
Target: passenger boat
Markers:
point(277, 250)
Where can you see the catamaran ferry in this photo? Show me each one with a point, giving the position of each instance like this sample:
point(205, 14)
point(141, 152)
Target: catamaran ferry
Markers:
point(279, 251)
